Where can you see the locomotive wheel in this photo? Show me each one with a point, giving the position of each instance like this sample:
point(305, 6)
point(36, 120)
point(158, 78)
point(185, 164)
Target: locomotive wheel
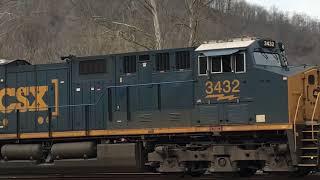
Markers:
point(197, 173)
point(301, 172)
point(247, 172)
point(197, 169)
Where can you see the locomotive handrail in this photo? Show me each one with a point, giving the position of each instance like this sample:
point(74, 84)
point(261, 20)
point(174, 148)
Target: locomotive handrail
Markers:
point(148, 84)
point(105, 92)
point(86, 105)
point(313, 114)
point(294, 122)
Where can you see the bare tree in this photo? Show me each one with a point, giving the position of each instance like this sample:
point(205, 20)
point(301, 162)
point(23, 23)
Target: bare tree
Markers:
point(151, 6)
point(131, 32)
point(196, 12)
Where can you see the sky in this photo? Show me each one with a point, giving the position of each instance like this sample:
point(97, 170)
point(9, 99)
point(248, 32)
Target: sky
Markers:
point(309, 7)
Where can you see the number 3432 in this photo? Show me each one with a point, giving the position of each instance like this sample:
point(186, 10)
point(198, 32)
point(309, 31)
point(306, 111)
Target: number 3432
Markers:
point(223, 87)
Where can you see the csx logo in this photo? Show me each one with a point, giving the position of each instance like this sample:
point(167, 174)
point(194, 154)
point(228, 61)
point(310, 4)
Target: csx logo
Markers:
point(21, 98)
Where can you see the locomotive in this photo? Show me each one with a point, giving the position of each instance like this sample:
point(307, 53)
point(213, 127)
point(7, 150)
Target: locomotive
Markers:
point(226, 106)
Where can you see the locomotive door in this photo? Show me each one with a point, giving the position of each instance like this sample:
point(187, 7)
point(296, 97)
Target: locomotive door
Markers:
point(145, 89)
point(94, 94)
point(226, 95)
point(209, 111)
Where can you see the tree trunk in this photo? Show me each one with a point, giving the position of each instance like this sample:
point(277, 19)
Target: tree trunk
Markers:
point(192, 6)
point(191, 24)
point(156, 24)
point(229, 6)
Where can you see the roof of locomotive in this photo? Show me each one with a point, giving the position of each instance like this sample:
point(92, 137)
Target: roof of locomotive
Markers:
point(16, 62)
point(71, 57)
point(226, 44)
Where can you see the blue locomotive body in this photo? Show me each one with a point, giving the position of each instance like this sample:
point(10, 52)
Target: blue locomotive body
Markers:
point(242, 87)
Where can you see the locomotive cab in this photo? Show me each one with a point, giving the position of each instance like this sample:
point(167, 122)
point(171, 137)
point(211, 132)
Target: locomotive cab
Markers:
point(237, 75)
point(248, 81)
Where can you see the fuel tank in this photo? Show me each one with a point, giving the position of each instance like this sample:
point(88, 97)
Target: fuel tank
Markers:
point(76, 150)
point(22, 151)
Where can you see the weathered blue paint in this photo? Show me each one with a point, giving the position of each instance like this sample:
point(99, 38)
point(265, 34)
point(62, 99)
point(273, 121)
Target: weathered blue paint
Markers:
point(147, 98)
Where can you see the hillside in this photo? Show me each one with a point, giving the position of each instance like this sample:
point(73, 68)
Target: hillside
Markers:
point(43, 30)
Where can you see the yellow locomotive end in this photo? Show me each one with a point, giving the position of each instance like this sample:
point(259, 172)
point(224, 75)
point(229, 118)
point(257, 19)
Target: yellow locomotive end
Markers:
point(303, 96)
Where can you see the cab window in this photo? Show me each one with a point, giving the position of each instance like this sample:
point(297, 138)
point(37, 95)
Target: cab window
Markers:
point(226, 63)
point(203, 67)
point(220, 64)
point(234, 63)
point(216, 64)
point(267, 59)
point(240, 64)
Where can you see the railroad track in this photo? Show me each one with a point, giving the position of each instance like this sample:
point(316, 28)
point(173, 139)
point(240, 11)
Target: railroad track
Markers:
point(152, 177)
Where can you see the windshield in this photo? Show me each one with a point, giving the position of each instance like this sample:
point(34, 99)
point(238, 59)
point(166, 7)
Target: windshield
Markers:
point(267, 59)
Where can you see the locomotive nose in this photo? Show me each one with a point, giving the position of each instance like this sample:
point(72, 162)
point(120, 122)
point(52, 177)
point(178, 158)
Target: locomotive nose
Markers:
point(304, 96)
point(311, 94)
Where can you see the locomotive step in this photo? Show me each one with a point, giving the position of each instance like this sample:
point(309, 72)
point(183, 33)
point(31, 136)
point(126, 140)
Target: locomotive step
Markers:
point(309, 136)
point(309, 148)
point(309, 157)
point(309, 123)
point(316, 131)
point(309, 139)
point(307, 165)
point(309, 128)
